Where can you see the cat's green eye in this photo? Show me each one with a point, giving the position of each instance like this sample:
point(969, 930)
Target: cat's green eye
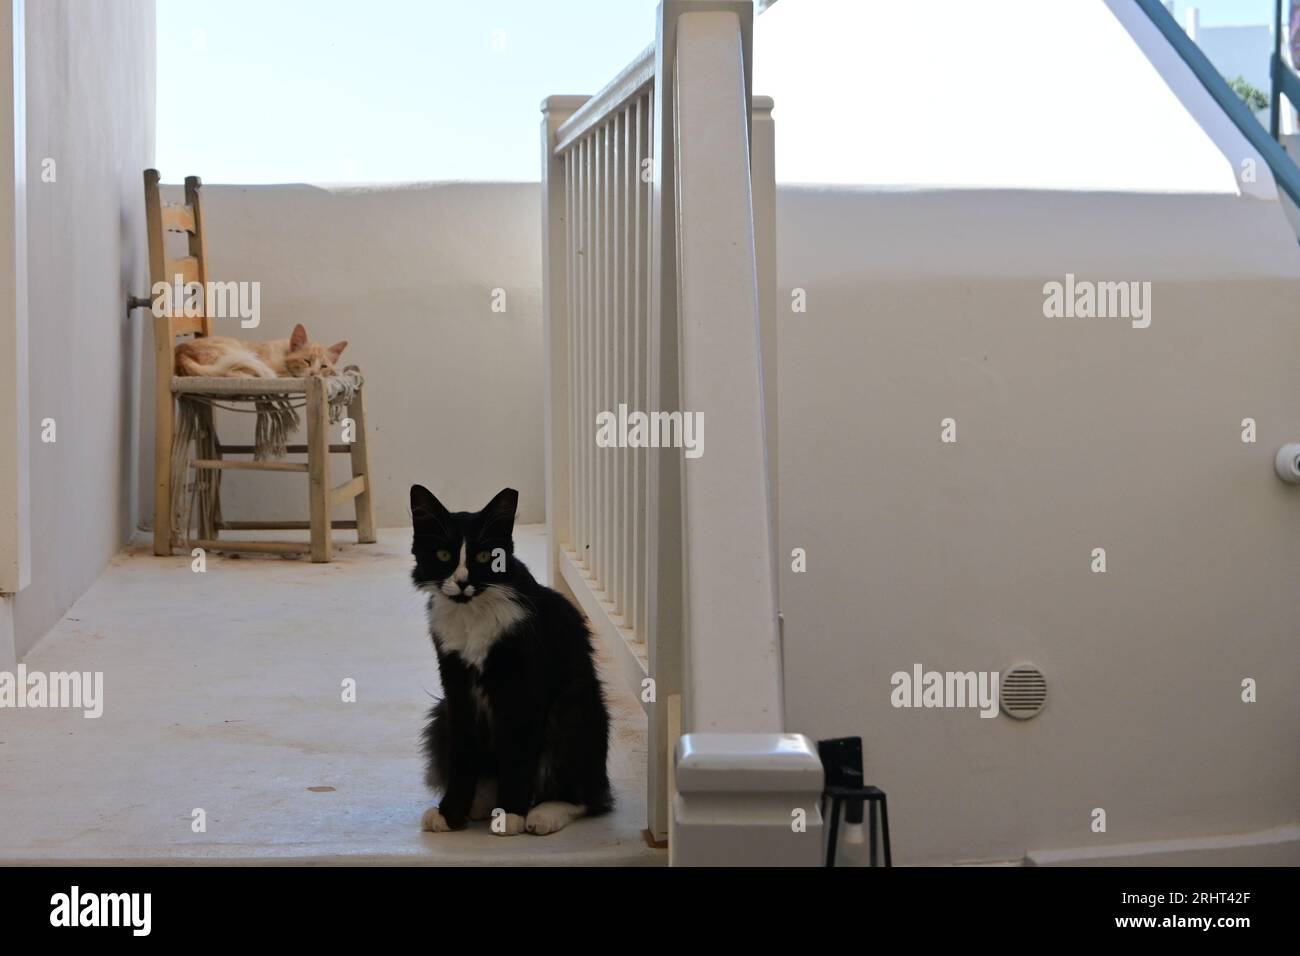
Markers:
point(443, 555)
point(483, 557)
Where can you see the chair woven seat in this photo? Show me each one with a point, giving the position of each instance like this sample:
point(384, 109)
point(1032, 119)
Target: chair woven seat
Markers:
point(229, 387)
point(233, 388)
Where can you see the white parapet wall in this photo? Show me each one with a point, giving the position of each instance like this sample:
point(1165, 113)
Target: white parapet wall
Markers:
point(1070, 435)
point(952, 458)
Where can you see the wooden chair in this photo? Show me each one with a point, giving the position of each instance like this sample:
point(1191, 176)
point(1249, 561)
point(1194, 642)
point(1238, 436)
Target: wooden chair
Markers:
point(187, 218)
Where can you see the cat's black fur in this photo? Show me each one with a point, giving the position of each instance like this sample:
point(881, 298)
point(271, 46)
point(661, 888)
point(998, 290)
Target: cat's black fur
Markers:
point(532, 712)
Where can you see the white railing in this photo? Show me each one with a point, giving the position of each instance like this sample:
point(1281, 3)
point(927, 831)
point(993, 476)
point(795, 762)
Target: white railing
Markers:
point(604, 151)
point(659, 209)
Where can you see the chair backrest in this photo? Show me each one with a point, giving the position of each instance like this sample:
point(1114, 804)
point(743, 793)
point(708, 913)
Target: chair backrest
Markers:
point(187, 218)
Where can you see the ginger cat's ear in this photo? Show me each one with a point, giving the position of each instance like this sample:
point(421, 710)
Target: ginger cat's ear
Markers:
point(299, 337)
point(336, 350)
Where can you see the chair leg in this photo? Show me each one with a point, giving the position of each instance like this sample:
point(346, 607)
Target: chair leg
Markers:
point(162, 478)
point(318, 469)
point(360, 454)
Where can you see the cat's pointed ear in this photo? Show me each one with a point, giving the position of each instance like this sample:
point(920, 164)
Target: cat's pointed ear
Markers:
point(426, 510)
point(499, 515)
point(336, 350)
point(299, 337)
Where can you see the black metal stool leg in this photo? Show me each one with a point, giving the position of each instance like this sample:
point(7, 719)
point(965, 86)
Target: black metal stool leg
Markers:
point(884, 822)
point(835, 831)
point(871, 816)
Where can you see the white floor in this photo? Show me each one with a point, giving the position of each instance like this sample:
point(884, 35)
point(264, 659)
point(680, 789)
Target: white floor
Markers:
point(223, 692)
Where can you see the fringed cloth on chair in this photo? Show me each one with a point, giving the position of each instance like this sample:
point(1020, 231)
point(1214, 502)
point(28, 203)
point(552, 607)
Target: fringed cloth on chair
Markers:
point(275, 401)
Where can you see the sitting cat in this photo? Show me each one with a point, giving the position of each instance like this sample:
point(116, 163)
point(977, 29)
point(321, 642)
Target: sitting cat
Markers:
point(522, 725)
point(216, 356)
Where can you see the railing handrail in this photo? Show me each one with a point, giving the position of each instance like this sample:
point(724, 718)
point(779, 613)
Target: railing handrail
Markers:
point(629, 82)
point(1285, 172)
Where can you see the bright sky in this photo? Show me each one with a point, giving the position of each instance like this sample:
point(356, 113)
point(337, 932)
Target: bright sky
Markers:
point(265, 91)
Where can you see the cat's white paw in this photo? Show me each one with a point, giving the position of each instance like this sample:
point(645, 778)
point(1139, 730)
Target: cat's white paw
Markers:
point(551, 816)
point(507, 824)
point(434, 822)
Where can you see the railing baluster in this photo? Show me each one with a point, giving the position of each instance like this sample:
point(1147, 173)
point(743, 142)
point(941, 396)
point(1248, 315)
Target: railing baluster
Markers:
point(589, 393)
point(634, 353)
point(571, 244)
point(629, 376)
point(576, 436)
point(606, 331)
point(558, 267)
point(625, 368)
point(629, 351)
point(588, 358)
point(620, 358)
point(602, 333)
point(615, 455)
point(579, 433)
point(644, 517)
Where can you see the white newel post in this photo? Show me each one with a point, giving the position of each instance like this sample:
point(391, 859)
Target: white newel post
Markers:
point(727, 785)
point(745, 791)
point(747, 800)
point(762, 164)
point(15, 530)
point(555, 323)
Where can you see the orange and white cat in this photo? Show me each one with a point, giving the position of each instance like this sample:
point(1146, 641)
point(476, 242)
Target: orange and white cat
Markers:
point(216, 356)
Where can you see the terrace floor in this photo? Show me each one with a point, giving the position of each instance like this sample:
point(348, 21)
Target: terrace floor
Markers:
point(223, 691)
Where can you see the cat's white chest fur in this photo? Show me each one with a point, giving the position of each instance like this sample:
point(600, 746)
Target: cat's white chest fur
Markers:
point(471, 629)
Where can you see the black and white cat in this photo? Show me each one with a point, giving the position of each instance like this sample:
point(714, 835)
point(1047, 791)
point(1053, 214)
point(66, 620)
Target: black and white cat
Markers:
point(522, 724)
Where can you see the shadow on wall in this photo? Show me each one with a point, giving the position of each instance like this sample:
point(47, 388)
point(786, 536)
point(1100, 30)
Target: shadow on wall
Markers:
point(437, 288)
point(90, 131)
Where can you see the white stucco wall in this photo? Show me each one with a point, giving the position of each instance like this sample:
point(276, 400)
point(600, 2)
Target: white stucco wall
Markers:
point(406, 274)
point(927, 303)
point(90, 108)
point(1239, 51)
point(1071, 435)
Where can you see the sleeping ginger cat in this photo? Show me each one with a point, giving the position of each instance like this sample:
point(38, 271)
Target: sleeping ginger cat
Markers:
point(216, 356)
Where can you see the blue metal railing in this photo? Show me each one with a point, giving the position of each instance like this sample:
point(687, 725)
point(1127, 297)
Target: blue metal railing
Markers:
point(1285, 172)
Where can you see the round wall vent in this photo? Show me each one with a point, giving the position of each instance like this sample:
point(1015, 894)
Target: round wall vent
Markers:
point(1022, 691)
